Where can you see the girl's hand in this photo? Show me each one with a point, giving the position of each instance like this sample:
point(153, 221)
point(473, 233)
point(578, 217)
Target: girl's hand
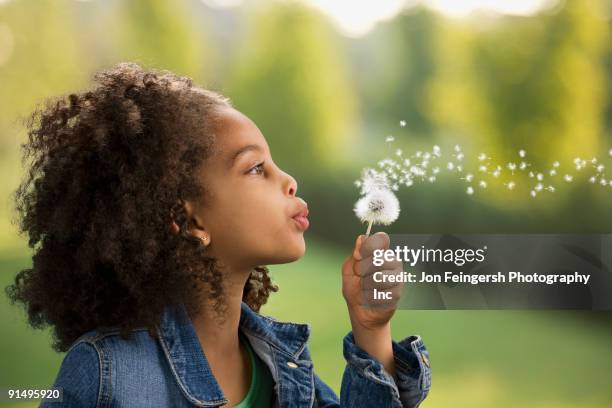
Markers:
point(364, 310)
point(370, 318)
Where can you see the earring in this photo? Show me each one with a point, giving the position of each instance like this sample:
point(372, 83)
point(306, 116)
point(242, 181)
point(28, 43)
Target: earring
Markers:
point(203, 239)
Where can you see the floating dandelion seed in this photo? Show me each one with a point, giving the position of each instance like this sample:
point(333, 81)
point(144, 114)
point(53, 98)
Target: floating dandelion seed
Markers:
point(482, 168)
point(470, 190)
point(510, 185)
point(568, 178)
point(450, 165)
point(483, 184)
point(436, 150)
point(398, 152)
point(389, 139)
point(469, 177)
point(482, 157)
point(556, 164)
point(533, 193)
point(522, 165)
point(380, 206)
point(402, 123)
point(592, 179)
point(458, 149)
point(459, 156)
point(553, 172)
point(372, 180)
point(522, 153)
point(539, 176)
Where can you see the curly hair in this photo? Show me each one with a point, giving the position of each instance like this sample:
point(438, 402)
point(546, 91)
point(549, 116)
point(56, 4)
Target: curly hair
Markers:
point(108, 169)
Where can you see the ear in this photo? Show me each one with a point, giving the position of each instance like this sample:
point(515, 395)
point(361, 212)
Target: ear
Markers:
point(194, 219)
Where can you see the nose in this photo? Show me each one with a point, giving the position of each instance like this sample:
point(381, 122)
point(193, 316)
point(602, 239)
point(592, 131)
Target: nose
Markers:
point(291, 185)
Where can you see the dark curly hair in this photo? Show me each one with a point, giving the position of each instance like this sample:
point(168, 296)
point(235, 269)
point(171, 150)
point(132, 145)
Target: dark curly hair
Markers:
point(109, 168)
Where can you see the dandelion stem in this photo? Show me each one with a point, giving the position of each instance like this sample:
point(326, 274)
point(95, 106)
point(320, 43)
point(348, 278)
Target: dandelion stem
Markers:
point(369, 227)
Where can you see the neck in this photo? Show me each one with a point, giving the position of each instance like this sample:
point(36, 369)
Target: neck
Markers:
point(219, 334)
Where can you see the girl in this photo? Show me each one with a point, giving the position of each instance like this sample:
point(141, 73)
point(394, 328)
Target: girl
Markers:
point(155, 206)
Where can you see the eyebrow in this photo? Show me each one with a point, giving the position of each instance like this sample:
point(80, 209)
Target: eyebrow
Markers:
point(242, 150)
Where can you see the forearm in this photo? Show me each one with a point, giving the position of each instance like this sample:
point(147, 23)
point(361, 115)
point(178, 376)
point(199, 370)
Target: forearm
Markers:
point(376, 342)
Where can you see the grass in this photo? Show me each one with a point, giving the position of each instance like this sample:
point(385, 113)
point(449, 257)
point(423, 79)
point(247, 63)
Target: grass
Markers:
point(479, 358)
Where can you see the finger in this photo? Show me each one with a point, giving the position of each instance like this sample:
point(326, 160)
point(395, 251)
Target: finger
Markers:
point(356, 250)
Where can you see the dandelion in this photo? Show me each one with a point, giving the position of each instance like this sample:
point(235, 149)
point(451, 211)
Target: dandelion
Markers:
point(600, 168)
point(402, 123)
point(553, 172)
point(470, 190)
point(522, 153)
point(538, 187)
point(436, 150)
point(450, 165)
point(380, 206)
point(469, 177)
point(398, 152)
point(510, 185)
point(568, 178)
point(603, 182)
point(610, 152)
point(459, 156)
point(556, 164)
point(431, 179)
point(458, 149)
point(389, 139)
point(539, 176)
point(483, 184)
point(533, 193)
point(522, 165)
point(482, 157)
point(482, 168)
point(551, 189)
point(592, 179)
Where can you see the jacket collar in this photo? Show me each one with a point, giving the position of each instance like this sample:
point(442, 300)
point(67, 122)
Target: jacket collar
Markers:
point(190, 367)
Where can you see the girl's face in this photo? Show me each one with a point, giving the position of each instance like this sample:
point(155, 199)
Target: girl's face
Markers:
point(250, 201)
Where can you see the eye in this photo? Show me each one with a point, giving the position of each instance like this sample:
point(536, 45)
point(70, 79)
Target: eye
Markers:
point(259, 169)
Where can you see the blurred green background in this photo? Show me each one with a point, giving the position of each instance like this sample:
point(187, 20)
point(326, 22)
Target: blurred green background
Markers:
point(326, 89)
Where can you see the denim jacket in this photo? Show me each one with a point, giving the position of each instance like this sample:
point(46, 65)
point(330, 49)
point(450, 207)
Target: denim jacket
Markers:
point(102, 369)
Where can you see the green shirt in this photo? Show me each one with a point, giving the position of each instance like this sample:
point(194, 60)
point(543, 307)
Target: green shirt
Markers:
point(261, 389)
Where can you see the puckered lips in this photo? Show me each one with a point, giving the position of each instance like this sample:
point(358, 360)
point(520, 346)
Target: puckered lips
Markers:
point(301, 217)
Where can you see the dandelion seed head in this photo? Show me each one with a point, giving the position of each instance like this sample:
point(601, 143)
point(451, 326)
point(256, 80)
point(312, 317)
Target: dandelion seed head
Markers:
point(556, 164)
point(389, 139)
point(539, 176)
point(459, 156)
point(522, 153)
point(482, 184)
point(568, 178)
point(402, 123)
point(510, 185)
point(553, 172)
point(380, 207)
point(482, 157)
point(450, 165)
point(470, 190)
